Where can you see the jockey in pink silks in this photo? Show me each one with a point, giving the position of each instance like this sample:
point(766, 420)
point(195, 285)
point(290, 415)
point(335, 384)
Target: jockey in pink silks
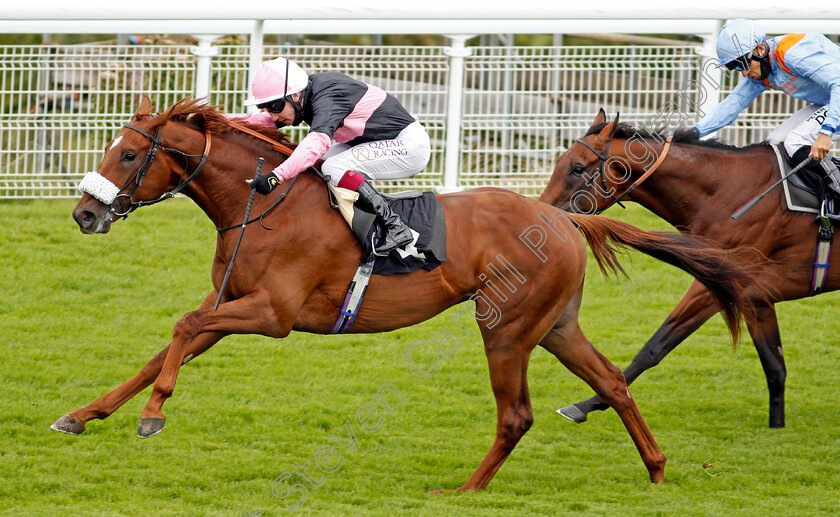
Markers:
point(375, 137)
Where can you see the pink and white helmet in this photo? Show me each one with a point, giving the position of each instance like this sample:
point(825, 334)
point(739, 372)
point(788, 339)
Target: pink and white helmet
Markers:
point(271, 81)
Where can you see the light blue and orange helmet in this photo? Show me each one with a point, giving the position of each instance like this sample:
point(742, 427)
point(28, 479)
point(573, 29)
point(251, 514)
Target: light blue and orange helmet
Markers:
point(736, 41)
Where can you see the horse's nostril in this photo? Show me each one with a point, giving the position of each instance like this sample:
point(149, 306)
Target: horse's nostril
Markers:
point(85, 218)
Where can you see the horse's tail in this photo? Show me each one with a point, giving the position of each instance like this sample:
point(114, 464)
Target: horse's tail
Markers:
point(718, 270)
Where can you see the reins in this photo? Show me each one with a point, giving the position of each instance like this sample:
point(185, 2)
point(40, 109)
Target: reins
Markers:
point(281, 148)
point(151, 154)
point(604, 157)
point(269, 209)
point(277, 146)
point(648, 172)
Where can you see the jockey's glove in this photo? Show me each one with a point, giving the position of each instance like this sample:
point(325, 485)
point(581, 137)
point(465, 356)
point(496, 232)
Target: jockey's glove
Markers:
point(265, 183)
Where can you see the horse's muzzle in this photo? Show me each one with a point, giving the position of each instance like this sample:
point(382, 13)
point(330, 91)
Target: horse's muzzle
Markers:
point(93, 220)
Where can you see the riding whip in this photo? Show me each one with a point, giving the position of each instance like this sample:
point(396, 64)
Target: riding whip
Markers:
point(236, 249)
point(743, 210)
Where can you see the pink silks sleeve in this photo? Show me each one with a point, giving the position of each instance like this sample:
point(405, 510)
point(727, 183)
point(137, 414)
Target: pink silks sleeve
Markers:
point(307, 152)
point(258, 119)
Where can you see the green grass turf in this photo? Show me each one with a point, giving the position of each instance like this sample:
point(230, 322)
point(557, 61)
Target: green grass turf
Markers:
point(80, 314)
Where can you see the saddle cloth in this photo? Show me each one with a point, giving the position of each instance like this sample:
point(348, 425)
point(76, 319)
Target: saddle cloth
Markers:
point(804, 192)
point(803, 189)
point(421, 211)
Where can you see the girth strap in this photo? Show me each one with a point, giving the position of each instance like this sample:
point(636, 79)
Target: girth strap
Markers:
point(825, 240)
point(354, 297)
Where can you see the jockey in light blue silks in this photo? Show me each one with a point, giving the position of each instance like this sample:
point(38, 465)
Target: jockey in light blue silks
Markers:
point(805, 66)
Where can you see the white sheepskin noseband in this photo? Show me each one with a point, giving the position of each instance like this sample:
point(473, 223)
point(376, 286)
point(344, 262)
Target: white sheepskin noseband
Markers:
point(97, 186)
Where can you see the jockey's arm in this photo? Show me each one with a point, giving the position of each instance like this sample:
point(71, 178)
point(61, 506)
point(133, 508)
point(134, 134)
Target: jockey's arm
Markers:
point(729, 108)
point(828, 76)
point(826, 72)
point(307, 152)
point(257, 119)
point(816, 59)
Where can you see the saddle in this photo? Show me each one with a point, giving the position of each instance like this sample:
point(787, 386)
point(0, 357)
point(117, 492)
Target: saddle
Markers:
point(421, 211)
point(805, 191)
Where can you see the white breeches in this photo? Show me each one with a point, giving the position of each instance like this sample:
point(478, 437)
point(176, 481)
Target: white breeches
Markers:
point(800, 129)
point(399, 158)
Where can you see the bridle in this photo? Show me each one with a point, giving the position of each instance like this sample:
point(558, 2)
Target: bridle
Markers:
point(119, 207)
point(604, 157)
point(599, 170)
point(121, 203)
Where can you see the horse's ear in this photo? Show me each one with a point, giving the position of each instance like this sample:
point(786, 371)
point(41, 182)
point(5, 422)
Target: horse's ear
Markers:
point(606, 134)
point(600, 118)
point(145, 107)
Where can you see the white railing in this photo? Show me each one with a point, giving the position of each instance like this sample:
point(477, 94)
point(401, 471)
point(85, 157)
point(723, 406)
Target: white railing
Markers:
point(514, 110)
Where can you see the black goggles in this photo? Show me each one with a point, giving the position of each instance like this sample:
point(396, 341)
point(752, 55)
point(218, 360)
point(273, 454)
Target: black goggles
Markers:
point(743, 62)
point(275, 106)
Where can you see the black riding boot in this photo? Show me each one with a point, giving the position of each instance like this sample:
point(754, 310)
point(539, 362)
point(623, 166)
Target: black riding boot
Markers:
point(824, 168)
point(397, 234)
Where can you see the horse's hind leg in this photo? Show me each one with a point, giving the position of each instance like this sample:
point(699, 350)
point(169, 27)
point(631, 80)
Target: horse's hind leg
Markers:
point(104, 406)
point(695, 308)
point(768, 343)
point(571, 347)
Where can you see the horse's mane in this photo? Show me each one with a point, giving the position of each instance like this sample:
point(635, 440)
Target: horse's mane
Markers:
point(210, 118)
point(682, 135)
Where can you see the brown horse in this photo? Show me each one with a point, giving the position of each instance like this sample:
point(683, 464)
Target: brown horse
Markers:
point(697, 188)
point(296, 277)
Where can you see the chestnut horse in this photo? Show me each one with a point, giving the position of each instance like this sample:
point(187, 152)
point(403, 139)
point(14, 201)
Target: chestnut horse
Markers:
point(697, 187)
point(296, 276)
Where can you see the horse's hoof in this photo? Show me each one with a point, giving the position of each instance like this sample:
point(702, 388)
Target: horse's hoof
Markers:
point(457, 490)
point(444, 491)
point(150, 427)
point(657, 477)
point(573, 413)
point(68, 425)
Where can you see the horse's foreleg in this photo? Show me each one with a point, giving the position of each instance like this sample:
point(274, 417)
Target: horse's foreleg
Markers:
point(695, 308)
point(768, 343)
point(104, 406)
point(572, 348)
point(252, 314)
point(508, 368)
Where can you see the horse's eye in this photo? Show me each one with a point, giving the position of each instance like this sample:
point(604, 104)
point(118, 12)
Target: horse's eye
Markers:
point(578, 169)
point(127, 157)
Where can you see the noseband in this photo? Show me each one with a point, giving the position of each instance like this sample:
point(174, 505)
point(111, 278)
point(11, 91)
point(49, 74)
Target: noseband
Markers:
point(118, 206)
